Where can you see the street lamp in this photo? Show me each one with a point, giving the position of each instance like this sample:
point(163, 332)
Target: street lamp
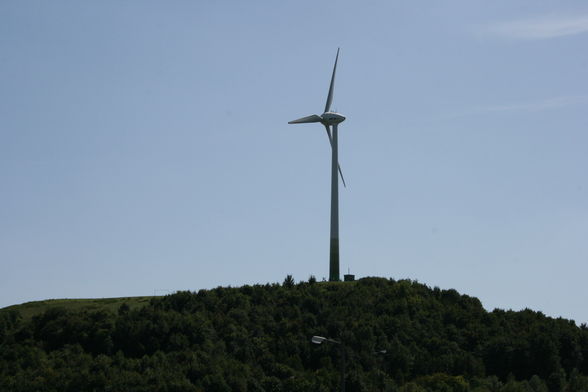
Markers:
point(322, 339)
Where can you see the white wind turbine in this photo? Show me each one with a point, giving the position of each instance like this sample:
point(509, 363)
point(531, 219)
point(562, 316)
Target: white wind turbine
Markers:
point(331, 120)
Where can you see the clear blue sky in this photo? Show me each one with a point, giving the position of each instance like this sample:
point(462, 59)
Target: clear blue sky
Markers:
point(144, 146)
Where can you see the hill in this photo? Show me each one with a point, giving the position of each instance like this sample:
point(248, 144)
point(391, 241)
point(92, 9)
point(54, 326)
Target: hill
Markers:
point(257, 338)
point(30, 309)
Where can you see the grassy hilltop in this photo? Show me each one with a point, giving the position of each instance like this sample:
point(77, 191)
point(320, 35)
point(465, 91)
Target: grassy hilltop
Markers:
point(257, 338)
point(30, 309)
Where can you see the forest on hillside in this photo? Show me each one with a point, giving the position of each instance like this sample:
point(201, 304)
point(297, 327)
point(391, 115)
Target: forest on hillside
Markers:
point(258, 338)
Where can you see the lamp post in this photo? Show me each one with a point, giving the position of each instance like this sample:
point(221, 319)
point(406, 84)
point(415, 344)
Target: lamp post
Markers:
point(321, 340)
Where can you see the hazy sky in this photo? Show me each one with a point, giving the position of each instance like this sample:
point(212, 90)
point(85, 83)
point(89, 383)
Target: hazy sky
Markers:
point(144, 146)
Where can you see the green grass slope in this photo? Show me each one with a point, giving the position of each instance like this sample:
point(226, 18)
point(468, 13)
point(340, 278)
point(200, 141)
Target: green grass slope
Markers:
point(29, 309)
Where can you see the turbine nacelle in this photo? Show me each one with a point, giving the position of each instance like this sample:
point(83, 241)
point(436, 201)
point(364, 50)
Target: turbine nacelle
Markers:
point(327, 118)
point(331, 118)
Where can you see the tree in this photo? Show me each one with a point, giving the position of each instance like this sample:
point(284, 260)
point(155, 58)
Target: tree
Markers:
point(289, 281)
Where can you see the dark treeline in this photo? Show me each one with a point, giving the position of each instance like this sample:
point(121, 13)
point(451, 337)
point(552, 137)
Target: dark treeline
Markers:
point(257, 338)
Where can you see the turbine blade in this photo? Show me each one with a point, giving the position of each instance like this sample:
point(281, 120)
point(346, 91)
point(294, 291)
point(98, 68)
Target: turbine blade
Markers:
point(308, 119)
point(329, 134)
point(341, 174)
point(331, 87)
point(338, 164)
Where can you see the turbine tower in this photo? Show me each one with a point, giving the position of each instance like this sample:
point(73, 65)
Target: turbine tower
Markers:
point(331, 120)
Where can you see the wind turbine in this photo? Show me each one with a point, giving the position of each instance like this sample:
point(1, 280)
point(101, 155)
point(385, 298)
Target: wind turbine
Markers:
point(331, 120)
